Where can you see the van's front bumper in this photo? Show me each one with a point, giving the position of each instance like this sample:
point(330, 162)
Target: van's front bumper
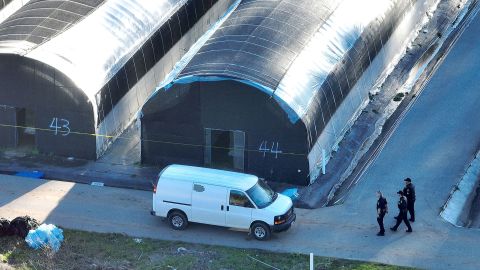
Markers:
point(284, 226)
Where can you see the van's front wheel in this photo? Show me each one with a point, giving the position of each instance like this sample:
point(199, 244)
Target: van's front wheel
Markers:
point(260, 231)
point(177, 220)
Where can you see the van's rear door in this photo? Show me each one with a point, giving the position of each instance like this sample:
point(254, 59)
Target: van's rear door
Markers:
point(209, 204)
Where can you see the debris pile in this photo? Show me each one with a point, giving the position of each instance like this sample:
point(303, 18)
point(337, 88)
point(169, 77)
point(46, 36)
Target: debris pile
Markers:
point(37, 236)
point(4, 227)
point(19, 226)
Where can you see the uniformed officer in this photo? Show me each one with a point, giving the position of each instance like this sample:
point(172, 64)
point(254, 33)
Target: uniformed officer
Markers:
point(409, 191)
point(402, 214)
point(382, 210)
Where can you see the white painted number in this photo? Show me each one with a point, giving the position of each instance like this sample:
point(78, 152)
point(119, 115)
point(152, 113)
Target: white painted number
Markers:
point(65, 125)
point(273, 149)
point(60, 126)
point(263, 148)
point(54, 125)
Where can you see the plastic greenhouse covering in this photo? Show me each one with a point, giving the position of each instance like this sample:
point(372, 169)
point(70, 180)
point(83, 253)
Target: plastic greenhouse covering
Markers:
point(286, 48)
point(181, 19)
point(8, 7)
point(92, 50)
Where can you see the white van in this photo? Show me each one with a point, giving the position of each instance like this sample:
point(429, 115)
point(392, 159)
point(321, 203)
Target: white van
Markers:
point(191, 194)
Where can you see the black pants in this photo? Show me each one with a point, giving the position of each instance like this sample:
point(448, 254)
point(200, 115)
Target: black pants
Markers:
point(402, 217)
point(380, 222)
point(411, 209)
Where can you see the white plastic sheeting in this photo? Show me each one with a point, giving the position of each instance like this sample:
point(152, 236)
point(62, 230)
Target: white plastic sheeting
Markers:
point(94, 49)
point(379, 68)
point(325, 50)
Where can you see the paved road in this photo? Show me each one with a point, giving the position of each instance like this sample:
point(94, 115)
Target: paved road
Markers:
point(432, 145)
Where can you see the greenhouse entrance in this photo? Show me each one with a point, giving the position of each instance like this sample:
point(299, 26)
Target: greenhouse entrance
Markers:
point(225, 149)
point(17, 127)
point(8, 133)
point(26, 127)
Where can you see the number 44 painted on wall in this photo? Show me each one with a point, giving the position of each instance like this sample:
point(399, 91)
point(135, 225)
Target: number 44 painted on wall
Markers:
point(273, 148)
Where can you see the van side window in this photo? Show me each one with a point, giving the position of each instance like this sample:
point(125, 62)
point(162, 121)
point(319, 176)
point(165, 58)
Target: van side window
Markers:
point(238, 198)
point(198, 188)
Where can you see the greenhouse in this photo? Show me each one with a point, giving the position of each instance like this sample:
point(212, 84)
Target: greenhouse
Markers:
point(275, 85)
point(73, 74)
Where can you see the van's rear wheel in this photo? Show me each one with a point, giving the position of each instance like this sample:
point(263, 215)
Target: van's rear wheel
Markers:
point(260, 231)
point(177, 220)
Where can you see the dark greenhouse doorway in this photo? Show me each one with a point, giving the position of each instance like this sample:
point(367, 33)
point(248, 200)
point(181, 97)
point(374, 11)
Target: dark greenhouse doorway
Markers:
point(8, 121)
point(225, 149)
point(25, 128)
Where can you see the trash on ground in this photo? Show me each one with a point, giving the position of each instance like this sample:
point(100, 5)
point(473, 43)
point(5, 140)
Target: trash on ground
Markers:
point(46, 235)
point(4, 227)
point(137, 240)
point(98, 184)
point(22, 225)
point(19, 226)
point(180, 249)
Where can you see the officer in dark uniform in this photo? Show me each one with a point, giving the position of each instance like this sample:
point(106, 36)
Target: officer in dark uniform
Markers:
point(409, 191)
point(402, 214)
point(382, 210)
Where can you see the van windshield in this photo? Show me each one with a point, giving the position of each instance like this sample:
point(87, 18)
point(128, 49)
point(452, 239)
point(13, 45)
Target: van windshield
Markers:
point(261, 194)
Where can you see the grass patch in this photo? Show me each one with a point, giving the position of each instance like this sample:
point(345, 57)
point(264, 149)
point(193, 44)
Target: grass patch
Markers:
point(84, 250)
point(34, 152)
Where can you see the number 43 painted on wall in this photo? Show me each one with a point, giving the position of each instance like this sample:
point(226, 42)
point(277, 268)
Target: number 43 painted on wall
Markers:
point(273, 148)
point(60, 126)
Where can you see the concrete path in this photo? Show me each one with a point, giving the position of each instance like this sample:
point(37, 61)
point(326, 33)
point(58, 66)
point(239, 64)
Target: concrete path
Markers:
point(432, 145)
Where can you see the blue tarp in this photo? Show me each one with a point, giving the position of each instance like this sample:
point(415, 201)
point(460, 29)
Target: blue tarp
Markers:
point(31, 174)
point(291, 192)
point(46, 235)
